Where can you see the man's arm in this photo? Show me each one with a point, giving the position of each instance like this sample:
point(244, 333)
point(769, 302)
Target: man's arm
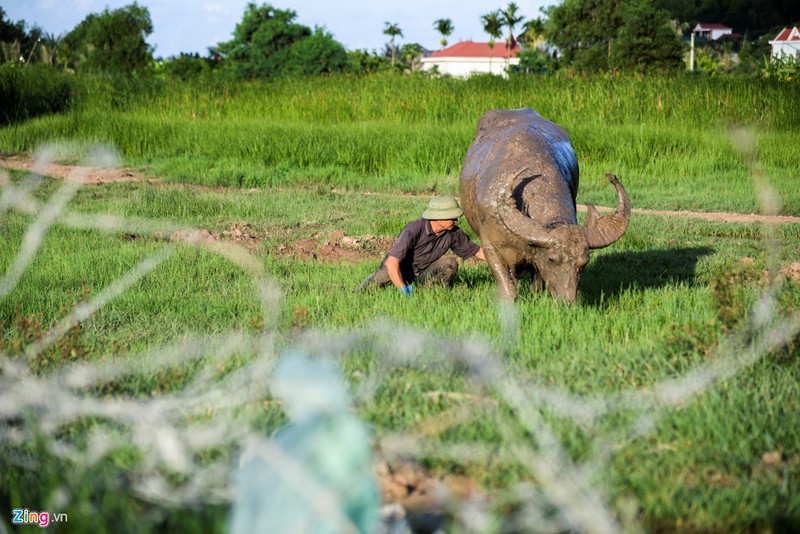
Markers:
point(392, 265)
point(464, 247)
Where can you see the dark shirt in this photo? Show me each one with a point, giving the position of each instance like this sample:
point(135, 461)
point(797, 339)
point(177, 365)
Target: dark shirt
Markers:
point(417, 247)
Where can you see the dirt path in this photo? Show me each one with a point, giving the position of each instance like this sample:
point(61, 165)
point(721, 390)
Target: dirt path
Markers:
point(98, 176)
point(94, 176)
point(714, 216)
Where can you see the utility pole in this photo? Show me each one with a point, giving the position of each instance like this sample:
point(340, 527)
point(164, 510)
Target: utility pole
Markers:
point(691, 54)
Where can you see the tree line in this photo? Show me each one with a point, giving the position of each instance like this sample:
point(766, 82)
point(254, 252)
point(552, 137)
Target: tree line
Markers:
point(582, 35)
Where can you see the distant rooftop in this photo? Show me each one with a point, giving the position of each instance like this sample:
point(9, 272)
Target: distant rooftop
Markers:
point(788, 35)
point(711, 26)
point(473, 49)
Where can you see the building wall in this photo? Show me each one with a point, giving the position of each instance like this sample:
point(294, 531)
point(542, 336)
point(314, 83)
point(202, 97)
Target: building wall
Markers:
point(716, 34)
point(464, 67)
point(786, 49)
point(711, 34)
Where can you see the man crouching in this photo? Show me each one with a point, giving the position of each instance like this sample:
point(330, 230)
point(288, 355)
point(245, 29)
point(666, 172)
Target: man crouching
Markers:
point(418, 253)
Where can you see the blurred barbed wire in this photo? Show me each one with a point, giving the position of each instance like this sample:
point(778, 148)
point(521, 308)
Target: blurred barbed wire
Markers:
point(172, 430)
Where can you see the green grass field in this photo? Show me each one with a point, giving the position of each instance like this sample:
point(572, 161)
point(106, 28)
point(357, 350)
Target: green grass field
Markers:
point(667, 138)
point(670, 303)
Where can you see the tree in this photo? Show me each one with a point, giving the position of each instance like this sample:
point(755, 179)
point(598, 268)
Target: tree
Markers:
point(17, 44)
point(113, 40)
point(11, 37)
point(261, 42)
point(757, 17)
point(392, 30)
point(364, 62)
point(268, 42)
point(645, 40)
point(533, 32)
point(410, 54)
point(493, 25)
point(510, 19)
point(753, 54)
point(319, 53)
point(188, 66)
point(445, 27)
point(621, 34)
point(11, 31)
point(49, 48)
point(533, 61)
point(583, 30)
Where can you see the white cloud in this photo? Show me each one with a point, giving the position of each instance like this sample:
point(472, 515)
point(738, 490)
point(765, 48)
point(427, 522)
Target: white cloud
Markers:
point(209, 7)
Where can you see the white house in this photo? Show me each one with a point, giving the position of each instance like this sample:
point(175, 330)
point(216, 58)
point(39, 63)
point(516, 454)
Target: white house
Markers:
point(468, 57)
point(787, 43)
point(711, 31)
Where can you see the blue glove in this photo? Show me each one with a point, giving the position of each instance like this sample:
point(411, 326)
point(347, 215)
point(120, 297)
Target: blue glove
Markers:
point(406, 290)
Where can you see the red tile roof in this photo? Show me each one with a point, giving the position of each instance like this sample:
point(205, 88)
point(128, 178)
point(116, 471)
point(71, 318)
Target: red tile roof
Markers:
point(713, 26)
point(788, 35)
point(473, 49)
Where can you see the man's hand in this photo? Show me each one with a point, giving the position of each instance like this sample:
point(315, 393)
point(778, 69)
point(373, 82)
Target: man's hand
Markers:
point(406, 290)
point(393, 268)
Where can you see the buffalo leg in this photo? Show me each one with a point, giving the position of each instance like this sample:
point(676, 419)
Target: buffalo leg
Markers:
point(537, 282)
point(506, 288)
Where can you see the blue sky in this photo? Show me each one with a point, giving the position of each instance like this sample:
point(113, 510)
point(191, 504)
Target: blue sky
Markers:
point(194, 25)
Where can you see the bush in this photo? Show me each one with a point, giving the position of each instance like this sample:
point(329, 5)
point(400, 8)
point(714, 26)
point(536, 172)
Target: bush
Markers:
point(784, 68)
point(533, 61)
point(188, 66)
point(319, 53)
point(32, 90)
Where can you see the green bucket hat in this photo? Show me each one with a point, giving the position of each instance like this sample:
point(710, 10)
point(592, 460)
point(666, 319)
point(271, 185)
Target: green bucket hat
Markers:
point(442, 208)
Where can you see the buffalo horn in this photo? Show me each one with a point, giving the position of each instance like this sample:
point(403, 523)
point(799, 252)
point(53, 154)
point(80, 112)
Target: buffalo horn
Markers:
point(602, 231)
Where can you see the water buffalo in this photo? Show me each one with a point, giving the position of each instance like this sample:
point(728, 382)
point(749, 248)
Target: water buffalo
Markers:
point(518, 189)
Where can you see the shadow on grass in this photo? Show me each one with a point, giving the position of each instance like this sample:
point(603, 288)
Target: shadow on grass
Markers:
point(609, 275)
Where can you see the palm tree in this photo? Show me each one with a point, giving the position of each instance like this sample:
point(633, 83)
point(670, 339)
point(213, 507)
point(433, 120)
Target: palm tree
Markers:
point(445, 27)
point(533, 31)
point(50, 43)
point(493, 25)
point(392, 30)
point(410, 53)
point(510, 19)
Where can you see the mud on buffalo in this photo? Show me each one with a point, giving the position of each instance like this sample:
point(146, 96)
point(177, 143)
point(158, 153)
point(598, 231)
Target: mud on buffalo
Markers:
point(518, 188)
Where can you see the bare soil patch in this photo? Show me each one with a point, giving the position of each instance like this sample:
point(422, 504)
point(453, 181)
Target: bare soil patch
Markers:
point(92, 175)
point(243, 234)
point(337, 247)
point(791, 271)
point(412, 496)
point(97, 176)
